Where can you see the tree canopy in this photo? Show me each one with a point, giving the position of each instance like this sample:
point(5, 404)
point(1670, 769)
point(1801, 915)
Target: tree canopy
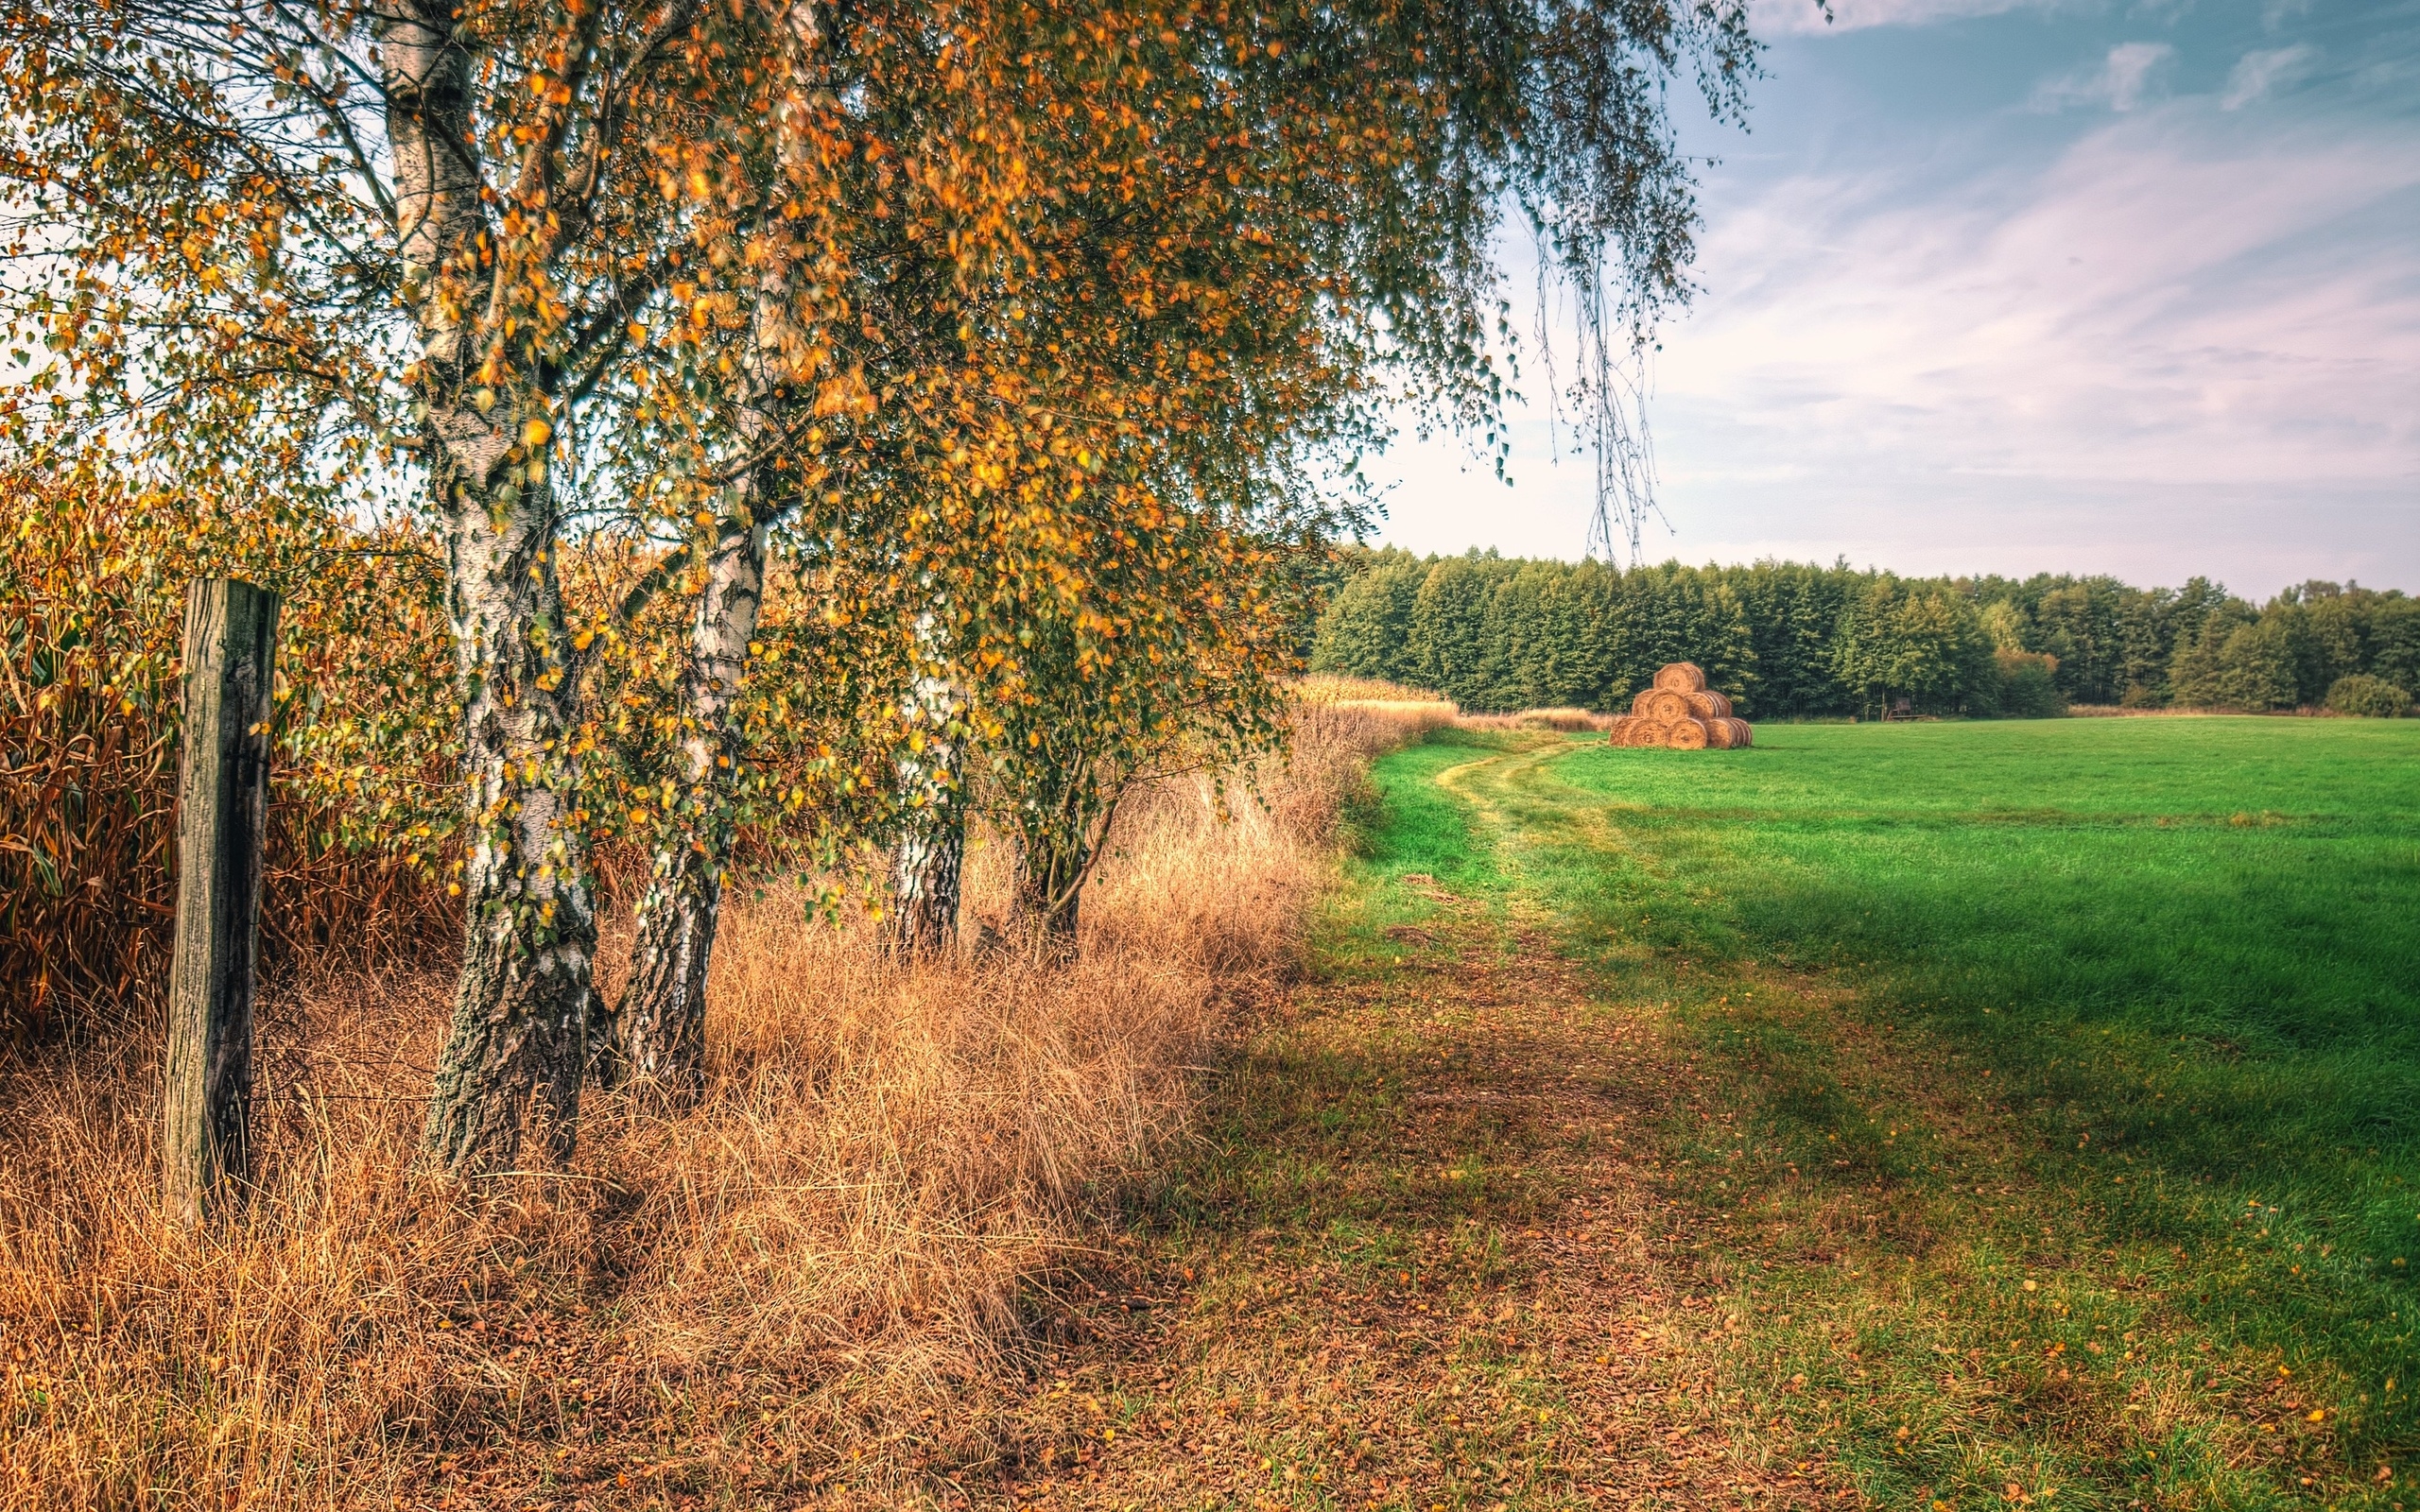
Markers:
point(1043, 325)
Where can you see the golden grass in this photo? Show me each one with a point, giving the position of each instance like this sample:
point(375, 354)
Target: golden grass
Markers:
point(817, 1278)
point(1565, 719)
point(1334, 687)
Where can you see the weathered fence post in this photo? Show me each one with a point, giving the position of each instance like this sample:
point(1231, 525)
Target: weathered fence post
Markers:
point(222, 799)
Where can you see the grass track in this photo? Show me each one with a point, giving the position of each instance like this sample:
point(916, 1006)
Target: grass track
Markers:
point(2153, 982)
point(1947, 1117)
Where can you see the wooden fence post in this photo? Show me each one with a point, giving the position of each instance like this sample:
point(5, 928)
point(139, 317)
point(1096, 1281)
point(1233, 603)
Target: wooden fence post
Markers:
point(222, 798)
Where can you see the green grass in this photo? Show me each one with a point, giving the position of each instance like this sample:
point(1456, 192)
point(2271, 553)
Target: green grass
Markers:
point(2100, 1039)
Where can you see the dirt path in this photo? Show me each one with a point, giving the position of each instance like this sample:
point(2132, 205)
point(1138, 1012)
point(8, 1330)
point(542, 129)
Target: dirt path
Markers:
point(1428, 1254)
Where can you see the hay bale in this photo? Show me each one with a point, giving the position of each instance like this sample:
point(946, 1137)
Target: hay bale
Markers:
point(1664, 706)
point(1674, 720)
point(1727, 734)
point(1682, 677)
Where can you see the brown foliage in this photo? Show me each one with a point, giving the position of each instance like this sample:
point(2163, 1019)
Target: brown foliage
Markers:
point(91, 595)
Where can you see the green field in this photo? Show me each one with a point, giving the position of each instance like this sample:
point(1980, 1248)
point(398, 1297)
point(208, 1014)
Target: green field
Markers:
point(2076, 1065)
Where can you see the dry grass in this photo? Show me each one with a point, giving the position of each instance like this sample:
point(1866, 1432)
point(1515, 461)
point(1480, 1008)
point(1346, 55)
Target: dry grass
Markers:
point(816, 1279)
point(1567, 720)
point(1397, 706)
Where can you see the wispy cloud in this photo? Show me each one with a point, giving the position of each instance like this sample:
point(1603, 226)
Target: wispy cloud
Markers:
point(2120, 82)
point(2198, 323)
point(2166, 321)
point(1774, 18)
point(2256, 72)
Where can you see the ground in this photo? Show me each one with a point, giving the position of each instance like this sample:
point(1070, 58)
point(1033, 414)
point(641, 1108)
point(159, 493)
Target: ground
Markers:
point(1946, 1117)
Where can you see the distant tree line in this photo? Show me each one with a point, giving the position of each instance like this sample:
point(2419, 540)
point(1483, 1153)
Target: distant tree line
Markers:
point(1785, 639)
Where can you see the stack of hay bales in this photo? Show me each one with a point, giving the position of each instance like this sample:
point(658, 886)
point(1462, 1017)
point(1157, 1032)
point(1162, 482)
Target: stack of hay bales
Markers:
point(1679, 712)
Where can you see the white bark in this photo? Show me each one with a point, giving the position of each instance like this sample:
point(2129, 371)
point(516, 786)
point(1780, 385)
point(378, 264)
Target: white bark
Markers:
point(656, 1039)
point(930, 851)
point(514, 1054)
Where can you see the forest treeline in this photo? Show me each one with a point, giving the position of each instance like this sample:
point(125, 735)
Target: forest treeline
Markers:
point(1787, 639)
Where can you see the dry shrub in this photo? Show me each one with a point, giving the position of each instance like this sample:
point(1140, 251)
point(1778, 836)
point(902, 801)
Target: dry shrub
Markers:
point(895, 1165)
point(146, 1366)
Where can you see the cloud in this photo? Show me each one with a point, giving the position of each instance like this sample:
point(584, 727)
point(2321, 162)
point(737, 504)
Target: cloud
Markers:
point(2275, 13)
point(2256, 72)
point(2120, 82)
point(2141, 354)
point(1774, 18)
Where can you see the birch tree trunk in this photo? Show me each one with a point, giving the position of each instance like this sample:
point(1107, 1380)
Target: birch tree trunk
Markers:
point(517, 1045)
point(656, 1039)
point(930, 853)
point(1048, 888)
point(1053, 859)
point(514, 1054)
point(925, 870)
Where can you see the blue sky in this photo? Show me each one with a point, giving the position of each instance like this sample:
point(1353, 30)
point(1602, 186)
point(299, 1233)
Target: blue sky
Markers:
point(2005, 287)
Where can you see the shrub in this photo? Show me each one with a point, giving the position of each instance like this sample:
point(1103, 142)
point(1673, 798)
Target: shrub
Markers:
point(2368, 698)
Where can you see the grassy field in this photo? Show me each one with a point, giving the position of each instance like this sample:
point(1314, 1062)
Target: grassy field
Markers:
point(2074, 1070)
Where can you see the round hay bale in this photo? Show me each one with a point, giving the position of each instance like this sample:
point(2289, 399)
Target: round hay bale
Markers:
point(1689, 734)
point(1618, 733)
point(1718, 733)
point(1682, 677)
point(1740, 733)
point(1709, 705)
point(1638, 705)
point(1645, 734)
point(1665, 706)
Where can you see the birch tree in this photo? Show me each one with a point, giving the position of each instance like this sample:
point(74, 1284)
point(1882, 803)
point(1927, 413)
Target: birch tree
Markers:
point(427, 231)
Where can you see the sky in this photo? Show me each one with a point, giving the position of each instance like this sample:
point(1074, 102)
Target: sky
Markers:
point(2025, 285)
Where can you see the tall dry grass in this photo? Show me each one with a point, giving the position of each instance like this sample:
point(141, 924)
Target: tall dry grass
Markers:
point(1566, 719)
point(816, 1279)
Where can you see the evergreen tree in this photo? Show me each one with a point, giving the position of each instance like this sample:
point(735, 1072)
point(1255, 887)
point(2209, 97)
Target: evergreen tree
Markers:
point(1366, 629)
point(1446, 646)
point(1794, 640)
point(2078, 622)
point(2256, 665)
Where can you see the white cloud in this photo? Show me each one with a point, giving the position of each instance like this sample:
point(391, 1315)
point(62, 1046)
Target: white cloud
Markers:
point(2275, 13)
point(1774, 18)
point(2144, 354)
point(1948, 336)
point(2256, 72)
point(2120, 82)
point(2189, 344)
